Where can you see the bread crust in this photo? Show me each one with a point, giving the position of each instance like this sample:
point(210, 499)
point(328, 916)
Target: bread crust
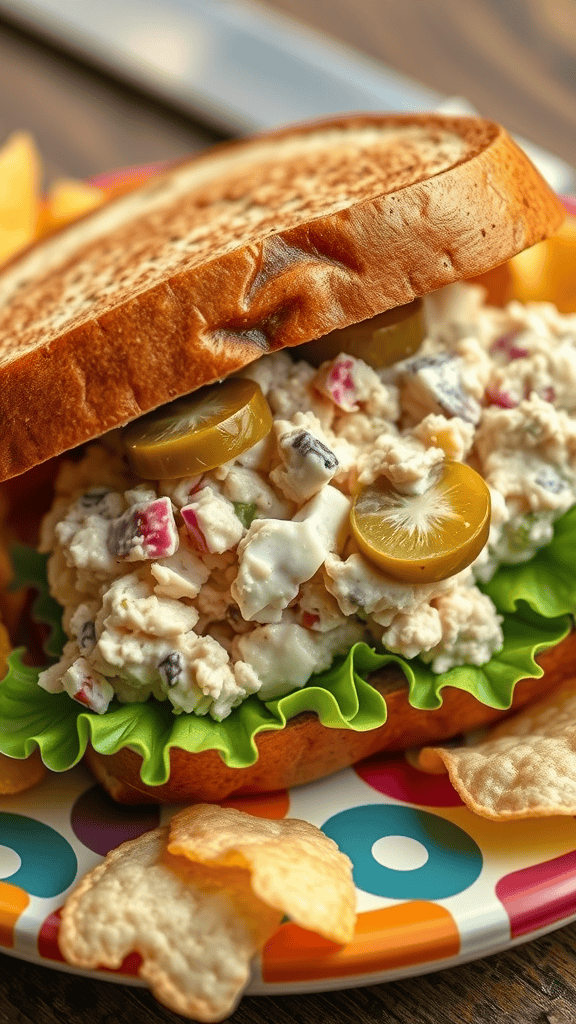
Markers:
point(134, 348)
point(305, 750)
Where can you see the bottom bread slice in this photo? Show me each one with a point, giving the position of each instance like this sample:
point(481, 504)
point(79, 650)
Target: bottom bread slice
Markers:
point(306, 750)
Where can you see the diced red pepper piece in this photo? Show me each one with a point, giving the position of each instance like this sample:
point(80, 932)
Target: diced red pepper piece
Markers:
point(193, 526)
point(497, 396)
point(147, 530)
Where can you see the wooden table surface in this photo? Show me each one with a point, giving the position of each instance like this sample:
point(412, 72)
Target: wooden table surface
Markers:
point(516, 61)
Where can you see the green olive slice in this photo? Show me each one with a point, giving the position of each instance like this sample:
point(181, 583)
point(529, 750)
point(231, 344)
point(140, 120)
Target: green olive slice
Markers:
point(199, 432)
point(426, 537)
point(379, 341)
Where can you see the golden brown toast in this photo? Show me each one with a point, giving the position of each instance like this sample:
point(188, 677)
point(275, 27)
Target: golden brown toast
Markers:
point(251, 247)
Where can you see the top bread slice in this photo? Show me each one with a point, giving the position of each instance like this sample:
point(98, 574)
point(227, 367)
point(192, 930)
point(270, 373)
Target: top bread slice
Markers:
point(248, 248)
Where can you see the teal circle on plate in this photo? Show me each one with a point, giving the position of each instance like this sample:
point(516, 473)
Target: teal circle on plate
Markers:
point(453, 863)
point(48, 862)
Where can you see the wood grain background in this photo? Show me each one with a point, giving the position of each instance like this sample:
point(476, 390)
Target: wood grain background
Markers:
point(516, 61)
point(533, 984)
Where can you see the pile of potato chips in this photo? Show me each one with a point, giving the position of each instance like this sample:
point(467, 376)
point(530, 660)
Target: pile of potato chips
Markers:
point(25, 214)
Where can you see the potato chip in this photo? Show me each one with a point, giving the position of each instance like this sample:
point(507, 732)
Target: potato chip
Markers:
point(293, 866)
point(196, 950)
point(545, 272)
point(523, 768)
point(23, 215)
point(19, 194)
point(191, 899)
point(68, 199)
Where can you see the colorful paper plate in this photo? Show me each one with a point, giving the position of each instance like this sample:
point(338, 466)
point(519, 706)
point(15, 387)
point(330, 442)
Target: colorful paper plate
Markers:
point(437, 885)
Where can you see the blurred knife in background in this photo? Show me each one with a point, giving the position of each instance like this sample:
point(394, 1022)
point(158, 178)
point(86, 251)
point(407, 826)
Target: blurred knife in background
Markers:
point(236, 64)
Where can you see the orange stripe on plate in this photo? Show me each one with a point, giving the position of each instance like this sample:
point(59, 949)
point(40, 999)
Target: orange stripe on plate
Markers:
point(12, 902)
point(409, 933)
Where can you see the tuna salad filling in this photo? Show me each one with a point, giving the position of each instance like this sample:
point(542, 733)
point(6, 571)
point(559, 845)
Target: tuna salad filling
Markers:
point(247, 578)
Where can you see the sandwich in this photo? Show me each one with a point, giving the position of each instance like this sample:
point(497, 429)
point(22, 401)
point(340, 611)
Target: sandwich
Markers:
point(306, 495)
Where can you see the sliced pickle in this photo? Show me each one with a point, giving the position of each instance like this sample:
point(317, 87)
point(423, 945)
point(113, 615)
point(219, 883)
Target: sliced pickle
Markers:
point(199, 432)
point(379, 341)
point(426, 537)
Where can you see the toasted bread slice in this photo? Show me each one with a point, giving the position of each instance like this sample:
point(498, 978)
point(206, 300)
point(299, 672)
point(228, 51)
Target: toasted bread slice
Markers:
point(306, 750)
point(251, 247)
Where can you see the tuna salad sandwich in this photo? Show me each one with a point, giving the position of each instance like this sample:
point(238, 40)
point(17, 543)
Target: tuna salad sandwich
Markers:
point(317, 491)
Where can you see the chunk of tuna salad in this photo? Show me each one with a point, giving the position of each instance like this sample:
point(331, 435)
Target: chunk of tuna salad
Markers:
point(247, 578)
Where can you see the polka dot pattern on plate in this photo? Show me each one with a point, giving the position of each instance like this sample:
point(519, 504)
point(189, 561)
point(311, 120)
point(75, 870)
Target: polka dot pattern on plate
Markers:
point(13, 902)
point(101, 824)
point(430, 881)
point(397, 778)
point(47, 861)
point(452, 860)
